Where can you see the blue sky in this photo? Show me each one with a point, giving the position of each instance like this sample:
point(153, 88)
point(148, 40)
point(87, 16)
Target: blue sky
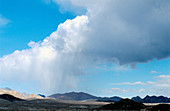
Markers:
point(28, 20)
point(105, 48)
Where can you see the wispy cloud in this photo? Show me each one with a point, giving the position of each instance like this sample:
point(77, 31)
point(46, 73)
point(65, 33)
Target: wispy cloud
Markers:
point(134, 83)
point(3, 21)
point(163, 76)
point(161, 85)
point(68, 6)
point(128, 83)
point(121, 68)
point(139, 91)
point(119, 90)
point(154, 72)
point(114, 90)
point(117, 74)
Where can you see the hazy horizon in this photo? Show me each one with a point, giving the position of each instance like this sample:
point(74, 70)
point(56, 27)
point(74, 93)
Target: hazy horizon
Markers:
point(101, 47)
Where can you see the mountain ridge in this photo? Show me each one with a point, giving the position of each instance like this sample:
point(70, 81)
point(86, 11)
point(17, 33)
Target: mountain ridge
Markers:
point(73, 96)
point(152, 99)
point(18, 94)
point(78, 96)
point(9, 97)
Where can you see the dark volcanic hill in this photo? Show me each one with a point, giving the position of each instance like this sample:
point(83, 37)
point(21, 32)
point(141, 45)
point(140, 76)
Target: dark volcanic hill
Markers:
point(124, 104)
point(161, 107)
point(10, 97)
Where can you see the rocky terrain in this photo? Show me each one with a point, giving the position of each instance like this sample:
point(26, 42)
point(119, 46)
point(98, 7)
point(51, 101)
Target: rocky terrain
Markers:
point(124, 104)
point(11, 103)
point(10, 98)
point(16, 101)
point(130, 105)
point(18, 94)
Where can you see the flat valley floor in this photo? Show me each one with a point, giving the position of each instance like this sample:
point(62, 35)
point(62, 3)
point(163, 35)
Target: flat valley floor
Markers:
point(55, 105)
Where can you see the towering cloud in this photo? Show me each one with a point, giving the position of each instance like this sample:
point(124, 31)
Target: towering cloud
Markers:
point(127, 32)
point(53, 63)
point(119, 31)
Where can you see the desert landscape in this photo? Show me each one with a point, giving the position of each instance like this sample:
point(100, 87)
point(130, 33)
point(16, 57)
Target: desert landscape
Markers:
point(74, 101)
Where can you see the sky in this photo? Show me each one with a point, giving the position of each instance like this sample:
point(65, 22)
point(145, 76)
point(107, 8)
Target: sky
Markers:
point(101, 47)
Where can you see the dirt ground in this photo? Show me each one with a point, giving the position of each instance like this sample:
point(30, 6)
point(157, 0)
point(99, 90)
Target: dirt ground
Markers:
point(49, 105)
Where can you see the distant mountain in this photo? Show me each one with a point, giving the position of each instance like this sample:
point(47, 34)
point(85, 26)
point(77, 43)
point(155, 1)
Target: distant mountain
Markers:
point(155, 99)
point(78, 96)
point(109, 99)
point(42, 95)
point(152, 99)
point(10, 97)
point(6, 88)
point(18, 94)
point(116, 98)
point(74, 96)
point(137, 99)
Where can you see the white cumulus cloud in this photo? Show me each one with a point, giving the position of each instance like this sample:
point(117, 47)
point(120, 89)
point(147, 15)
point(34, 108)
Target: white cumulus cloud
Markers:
point(53, 62)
